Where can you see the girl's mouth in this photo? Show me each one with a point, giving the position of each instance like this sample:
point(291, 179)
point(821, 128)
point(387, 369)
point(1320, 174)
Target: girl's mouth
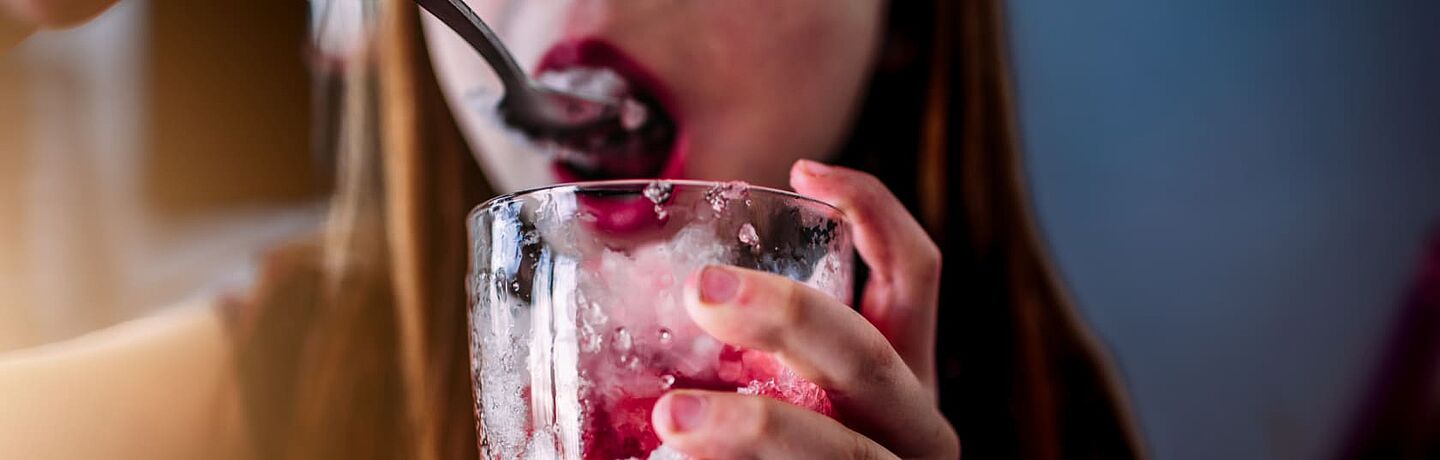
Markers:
point(651, 143)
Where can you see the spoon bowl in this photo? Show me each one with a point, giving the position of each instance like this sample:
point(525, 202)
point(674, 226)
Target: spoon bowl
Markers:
point(533, 108)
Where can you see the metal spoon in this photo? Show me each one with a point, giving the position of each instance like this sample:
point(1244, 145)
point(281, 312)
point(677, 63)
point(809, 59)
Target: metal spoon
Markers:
point(534, 108)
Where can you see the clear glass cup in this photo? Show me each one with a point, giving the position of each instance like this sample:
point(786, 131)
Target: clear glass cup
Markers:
point(576, 320)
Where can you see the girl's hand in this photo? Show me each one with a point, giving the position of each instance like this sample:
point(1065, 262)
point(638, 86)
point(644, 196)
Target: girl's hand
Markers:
point(878, 365)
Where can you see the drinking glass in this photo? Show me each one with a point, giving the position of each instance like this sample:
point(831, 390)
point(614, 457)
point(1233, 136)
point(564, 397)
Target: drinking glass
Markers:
point(577, 324)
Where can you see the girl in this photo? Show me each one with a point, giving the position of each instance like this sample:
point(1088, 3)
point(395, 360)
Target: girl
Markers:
point(351, 344)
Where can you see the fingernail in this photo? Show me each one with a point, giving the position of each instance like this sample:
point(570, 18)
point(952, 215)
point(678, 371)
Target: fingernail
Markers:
point(815, 168)
point(718, 285)
point(687, 412)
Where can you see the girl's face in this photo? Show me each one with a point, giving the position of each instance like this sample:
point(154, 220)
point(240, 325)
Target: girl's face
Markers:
point(750, 85)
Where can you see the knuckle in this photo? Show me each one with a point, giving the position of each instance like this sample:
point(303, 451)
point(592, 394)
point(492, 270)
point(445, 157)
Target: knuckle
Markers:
point(857, 207)
point(789, 314)
point(873, 197)
point(929, 261)
point(943, 442)
point(868, 181)
point(757, 420)
point(865, 194)
point(877, 194)
point(860, 449)
point(875, 366)
point(949, 444)
point(793, 304)
point(954, 450)
point(933, 253)
point(780, 310)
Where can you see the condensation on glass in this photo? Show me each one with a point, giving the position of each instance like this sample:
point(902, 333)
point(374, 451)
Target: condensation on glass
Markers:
point(576, 320)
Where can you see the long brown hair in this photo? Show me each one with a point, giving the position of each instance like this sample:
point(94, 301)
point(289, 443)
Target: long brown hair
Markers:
point(364, 353)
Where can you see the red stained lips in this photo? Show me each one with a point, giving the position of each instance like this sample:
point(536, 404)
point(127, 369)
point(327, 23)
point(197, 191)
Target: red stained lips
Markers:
point(659, 160)
point(662, 159)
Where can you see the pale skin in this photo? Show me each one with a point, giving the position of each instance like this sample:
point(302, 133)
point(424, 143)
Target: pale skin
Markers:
point(878, 364)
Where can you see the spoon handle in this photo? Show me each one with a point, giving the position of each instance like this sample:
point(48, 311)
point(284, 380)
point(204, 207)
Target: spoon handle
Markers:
point(464, 21)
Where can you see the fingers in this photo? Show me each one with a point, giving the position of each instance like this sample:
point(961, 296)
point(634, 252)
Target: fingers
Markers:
point(727, 425)
point(904, 287)
point(825, 342)
point(54, 13)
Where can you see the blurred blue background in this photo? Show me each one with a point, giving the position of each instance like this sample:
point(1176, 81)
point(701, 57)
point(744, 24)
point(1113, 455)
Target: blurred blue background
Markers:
point(1236, 192)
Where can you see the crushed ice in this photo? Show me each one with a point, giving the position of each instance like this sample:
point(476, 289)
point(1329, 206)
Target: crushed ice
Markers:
point(749, 237)
point(616, 334)
point(720, 195)
point(659, 192)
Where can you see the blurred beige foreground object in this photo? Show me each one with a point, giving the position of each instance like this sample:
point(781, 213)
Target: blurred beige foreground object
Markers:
point(156, 388)
point(132, 192)
point(127, 183)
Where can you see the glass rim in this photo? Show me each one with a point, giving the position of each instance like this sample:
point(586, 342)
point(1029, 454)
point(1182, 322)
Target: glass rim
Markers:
point(638, 185)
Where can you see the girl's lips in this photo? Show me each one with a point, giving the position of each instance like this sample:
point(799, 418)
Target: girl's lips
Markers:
point(619, 215)
point(596, 53)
